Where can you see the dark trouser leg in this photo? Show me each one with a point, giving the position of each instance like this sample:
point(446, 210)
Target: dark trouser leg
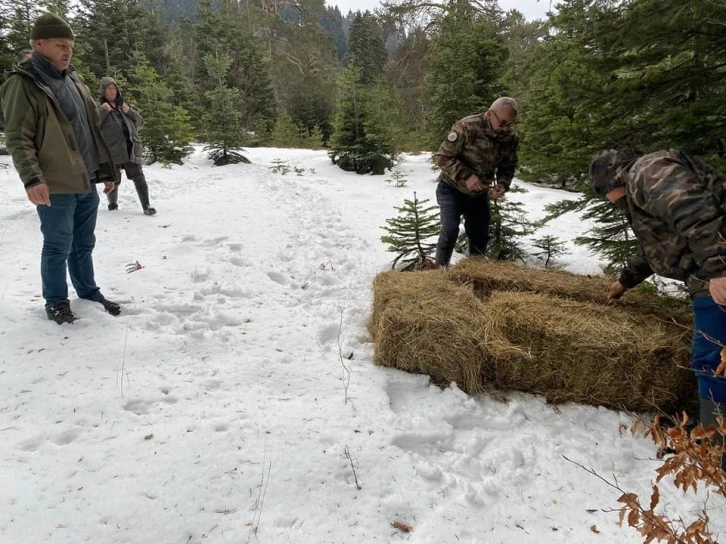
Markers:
point(113, 198)
point(451, 208)
point(135, 173)
point(80, 260)
point(709, 322)
point(476, 224)
point(56, 224)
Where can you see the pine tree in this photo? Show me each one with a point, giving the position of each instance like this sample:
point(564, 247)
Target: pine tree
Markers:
point(223, 32)
point(406, 79)
point(62, 8)
point(550, 248)
point(466, 66)
point(112, 33)
point(361, 140)
point(18, 18)
point(303, 64)
point(167, 131)
point(508, 224)
point(366, 49)
point(412, 235)
point(611, 236)
point(314, 139)
point(223, 134)
point(286, 133)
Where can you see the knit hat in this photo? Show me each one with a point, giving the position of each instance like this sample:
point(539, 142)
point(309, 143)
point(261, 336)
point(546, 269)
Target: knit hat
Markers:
point(49, 26)
point(607, 168)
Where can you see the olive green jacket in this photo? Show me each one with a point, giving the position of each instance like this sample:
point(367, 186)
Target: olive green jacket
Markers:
point(40, 138)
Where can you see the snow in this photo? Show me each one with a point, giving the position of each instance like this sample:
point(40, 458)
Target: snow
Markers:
point(213, 410)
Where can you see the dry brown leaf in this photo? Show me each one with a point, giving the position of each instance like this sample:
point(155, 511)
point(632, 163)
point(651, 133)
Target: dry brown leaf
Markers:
point(655, 497)
point(594, 529)
point(149, 436)
point(634, 518)
point(403, 527)
point(721, 369)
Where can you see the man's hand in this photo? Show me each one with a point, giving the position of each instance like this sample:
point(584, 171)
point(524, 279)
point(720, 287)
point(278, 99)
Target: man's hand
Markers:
point(39, 195)
point(106, 106)
point(125, 108)
point(109, 186)
point(474, 183)
point(717, 287)
point(617, 290)
point(498, 191)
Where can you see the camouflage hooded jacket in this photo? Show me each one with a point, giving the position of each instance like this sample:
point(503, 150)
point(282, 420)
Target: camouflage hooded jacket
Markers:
point(678, 214)
point(472, 147)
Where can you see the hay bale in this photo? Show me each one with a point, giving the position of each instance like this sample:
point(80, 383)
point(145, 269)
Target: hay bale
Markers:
point(582, 352)
point(424, 323)
point(563, 349)
point(487, 277)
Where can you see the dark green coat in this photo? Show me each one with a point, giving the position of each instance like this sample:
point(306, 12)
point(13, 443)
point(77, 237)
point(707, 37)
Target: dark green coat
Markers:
point(40, 139)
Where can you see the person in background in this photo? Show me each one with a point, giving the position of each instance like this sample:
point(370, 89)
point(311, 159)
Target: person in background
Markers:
point(120, 124)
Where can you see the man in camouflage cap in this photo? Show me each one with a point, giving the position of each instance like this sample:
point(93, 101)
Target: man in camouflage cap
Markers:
point(53, 132)
point(478, 155)
point(676, 206)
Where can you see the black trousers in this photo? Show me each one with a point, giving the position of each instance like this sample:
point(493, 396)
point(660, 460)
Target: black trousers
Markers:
point(453, 205)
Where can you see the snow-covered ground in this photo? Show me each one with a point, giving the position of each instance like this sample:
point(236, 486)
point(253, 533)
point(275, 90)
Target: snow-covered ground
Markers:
point(213, 410)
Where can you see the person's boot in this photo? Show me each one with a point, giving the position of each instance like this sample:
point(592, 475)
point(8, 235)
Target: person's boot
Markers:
point(61, 312)
point(114, 308)
point(142, 190)
point(443, 256)
point(113, 199)
point(709, 411)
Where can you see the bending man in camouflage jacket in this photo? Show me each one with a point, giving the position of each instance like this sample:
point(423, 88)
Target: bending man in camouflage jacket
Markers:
point(676, 206)
point(53, 132)
point(480, 152)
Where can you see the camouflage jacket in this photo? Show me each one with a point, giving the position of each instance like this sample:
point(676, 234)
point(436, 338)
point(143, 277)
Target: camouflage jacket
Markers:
point(678, 214)
point(40, 137)
point(472, 147)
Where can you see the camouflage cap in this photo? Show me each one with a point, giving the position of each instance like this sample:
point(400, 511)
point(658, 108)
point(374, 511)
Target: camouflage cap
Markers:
point(606, 167)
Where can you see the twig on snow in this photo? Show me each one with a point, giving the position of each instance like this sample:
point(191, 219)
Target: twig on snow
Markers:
point(123, 360)
point(259, 503)
point(352, 466)
point(346, 370)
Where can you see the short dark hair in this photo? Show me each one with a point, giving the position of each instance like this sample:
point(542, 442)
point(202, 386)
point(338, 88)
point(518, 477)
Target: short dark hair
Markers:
point(605, 167)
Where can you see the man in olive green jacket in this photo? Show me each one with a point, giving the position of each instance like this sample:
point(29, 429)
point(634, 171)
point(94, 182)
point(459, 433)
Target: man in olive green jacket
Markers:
point(52, 130)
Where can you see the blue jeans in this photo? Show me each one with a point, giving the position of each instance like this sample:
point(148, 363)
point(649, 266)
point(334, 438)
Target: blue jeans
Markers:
point(68, 240)
point(453, 204)
point(709, 320)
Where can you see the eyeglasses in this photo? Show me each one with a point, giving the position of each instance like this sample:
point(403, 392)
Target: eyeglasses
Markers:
point(504, 124)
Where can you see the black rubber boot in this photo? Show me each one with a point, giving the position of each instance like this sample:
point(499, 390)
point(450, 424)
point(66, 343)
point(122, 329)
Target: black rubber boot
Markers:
point(113, 199)
point(114, 308)
point(142, 189)
point(443, 256)
point(709, 411)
